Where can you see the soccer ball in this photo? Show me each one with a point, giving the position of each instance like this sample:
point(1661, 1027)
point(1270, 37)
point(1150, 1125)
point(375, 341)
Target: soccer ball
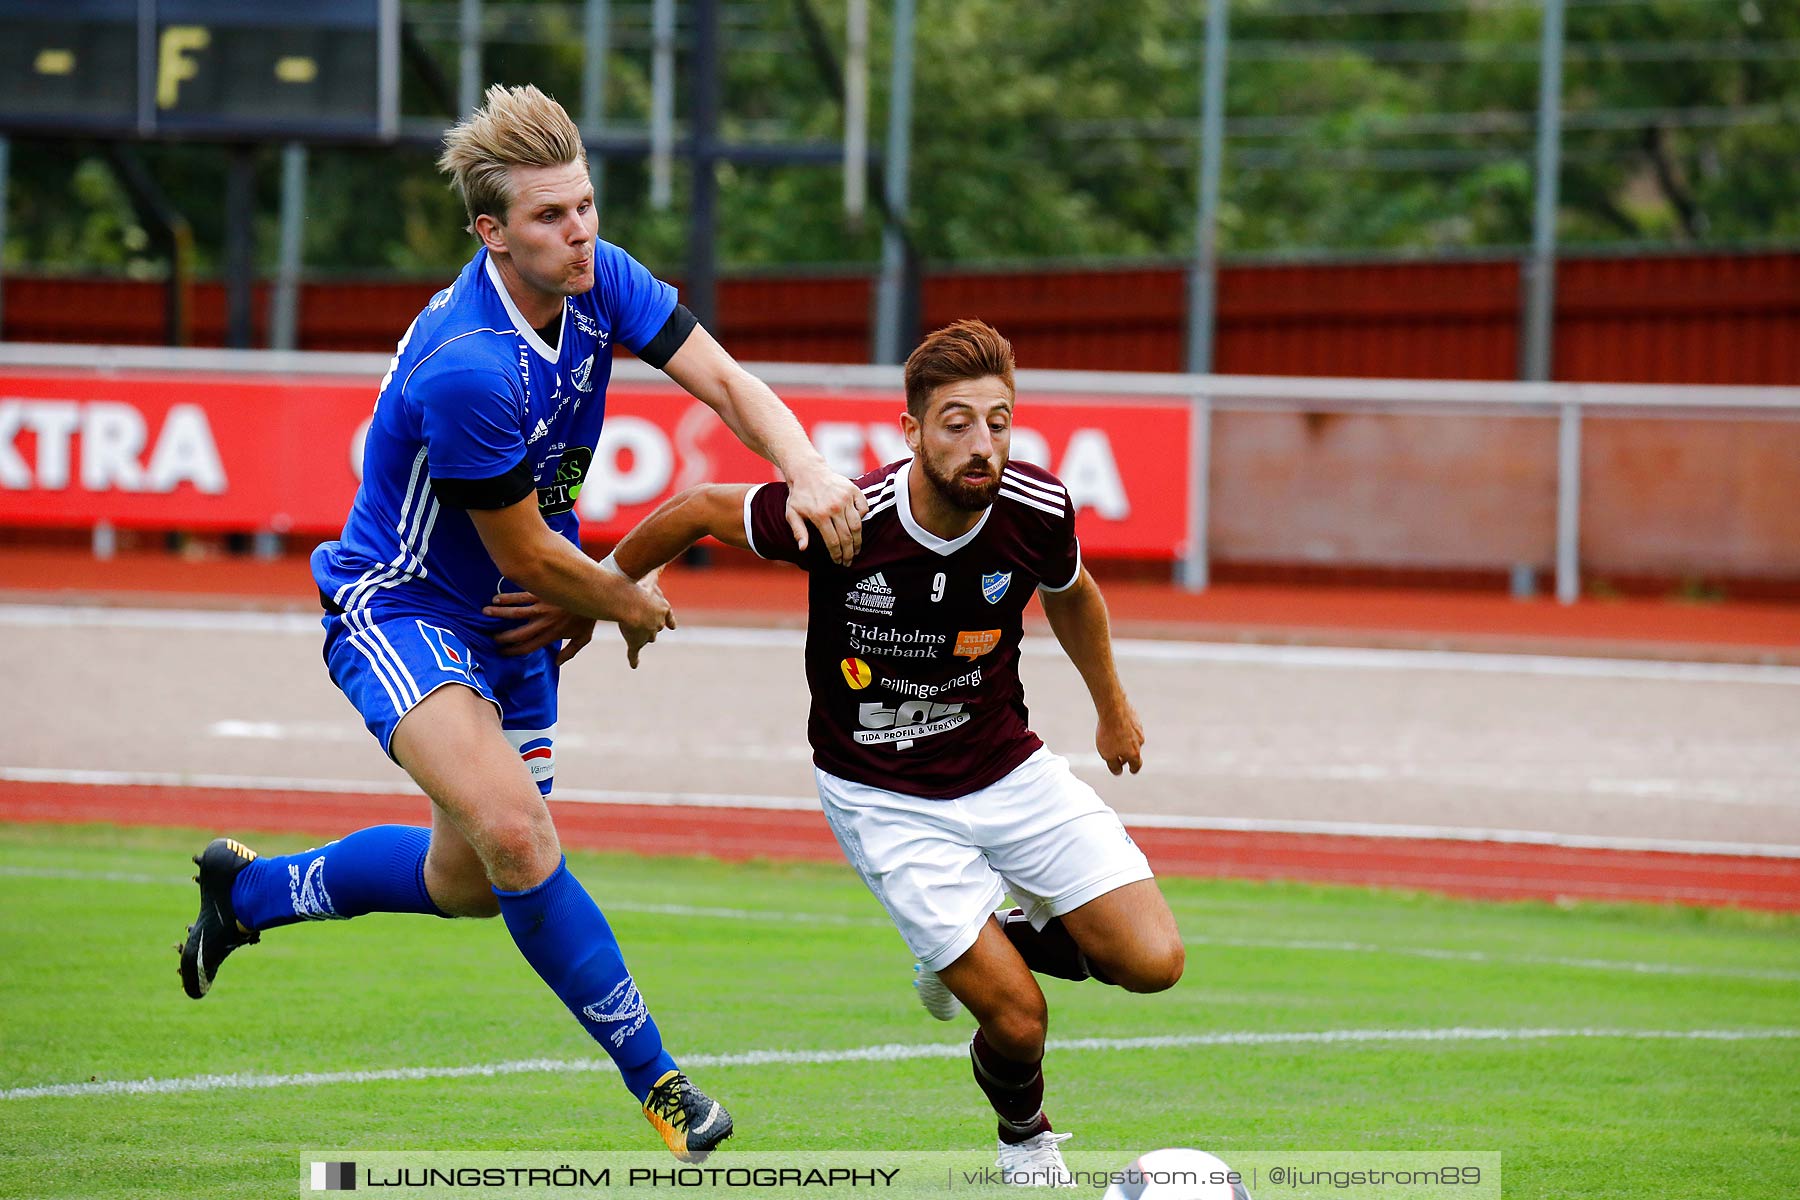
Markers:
point(1177, 1175)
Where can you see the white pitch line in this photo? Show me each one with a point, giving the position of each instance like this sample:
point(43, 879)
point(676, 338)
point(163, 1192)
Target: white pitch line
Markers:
point(745, 914)
point(10, 871)
point(1138, 649)
point(617, 906)
point(892, 1052)
point(77, 876)
point(1619, 966)
point(1365, 829)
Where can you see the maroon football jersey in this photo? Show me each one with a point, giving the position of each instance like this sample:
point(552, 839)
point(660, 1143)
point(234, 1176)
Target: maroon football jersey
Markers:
point(912, 651)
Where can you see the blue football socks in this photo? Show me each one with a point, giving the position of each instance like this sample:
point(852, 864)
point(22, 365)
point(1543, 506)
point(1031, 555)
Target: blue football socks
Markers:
point(562, 934)
point(380, 869)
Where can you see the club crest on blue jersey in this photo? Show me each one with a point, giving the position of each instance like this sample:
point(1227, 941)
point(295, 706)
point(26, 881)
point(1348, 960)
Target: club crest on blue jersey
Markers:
point(447, 648)
point(994, 586)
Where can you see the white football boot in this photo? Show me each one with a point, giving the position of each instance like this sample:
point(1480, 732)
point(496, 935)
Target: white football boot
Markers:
point(938, 1000)
point(1036, 1162)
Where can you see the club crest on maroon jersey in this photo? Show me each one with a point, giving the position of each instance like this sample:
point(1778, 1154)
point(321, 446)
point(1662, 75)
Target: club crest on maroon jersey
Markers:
point(994, 586)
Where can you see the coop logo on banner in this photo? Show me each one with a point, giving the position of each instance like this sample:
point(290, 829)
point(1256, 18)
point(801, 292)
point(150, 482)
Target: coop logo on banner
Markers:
point(102, 445)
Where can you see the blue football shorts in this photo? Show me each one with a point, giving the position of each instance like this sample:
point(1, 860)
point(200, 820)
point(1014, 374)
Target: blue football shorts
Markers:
point(386, 663)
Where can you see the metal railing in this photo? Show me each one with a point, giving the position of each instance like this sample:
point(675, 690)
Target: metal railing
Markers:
point(1203, 395)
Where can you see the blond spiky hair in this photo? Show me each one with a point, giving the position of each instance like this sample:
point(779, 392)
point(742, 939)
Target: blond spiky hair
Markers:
point(516, 127)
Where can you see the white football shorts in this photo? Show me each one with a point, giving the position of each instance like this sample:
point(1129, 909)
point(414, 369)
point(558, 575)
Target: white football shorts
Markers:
point(940, 867)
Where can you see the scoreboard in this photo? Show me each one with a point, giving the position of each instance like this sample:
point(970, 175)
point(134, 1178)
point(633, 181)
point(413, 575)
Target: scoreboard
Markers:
point(224, 69)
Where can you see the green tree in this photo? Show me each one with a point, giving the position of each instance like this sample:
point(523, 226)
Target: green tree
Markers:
point(1065, 130)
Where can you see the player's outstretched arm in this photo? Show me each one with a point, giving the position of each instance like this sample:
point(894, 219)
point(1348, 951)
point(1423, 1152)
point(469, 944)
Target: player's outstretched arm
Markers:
point(762, 422)
point(530, 553)
point(710, 510)
point(1078, 618)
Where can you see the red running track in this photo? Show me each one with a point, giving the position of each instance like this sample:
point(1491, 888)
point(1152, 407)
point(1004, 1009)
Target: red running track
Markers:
point(1487, 870)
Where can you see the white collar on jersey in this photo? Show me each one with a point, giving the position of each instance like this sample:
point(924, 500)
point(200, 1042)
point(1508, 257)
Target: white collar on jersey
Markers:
point(518, 318)
point(920, 534)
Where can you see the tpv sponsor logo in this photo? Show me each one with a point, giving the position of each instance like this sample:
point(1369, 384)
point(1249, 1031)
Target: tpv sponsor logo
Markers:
point(903, 724)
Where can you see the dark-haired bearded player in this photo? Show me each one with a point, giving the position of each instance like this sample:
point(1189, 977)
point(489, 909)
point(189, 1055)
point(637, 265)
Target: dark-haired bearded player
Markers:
point(941, 797)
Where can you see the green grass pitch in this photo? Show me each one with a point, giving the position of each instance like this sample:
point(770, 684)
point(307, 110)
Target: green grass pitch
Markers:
point(802, 960)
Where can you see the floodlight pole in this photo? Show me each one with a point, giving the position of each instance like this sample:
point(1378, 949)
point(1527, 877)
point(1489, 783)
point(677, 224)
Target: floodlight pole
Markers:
point(5, 174)
point(700, 284)
point(890, 291)
point(240, 236)
point(468, 59)
point(1540, 269)
point(597, 44)
point(1192, 572)
point(662, 102)
point(1203, 271)
point(1540, 302)
point(856, 111)
point(284, 304)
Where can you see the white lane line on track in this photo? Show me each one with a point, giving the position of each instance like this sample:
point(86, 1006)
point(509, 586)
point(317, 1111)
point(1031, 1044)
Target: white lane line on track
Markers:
point(170, 620)
point(82, 776)
point(892, 1052)
point(843, 920)
point(1226, 765)
point(1139, 649)
point(1364, 829)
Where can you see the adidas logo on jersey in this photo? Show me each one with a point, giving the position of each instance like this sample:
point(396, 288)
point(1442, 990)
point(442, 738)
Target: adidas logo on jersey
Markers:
point(871, 595)
point(538, 432)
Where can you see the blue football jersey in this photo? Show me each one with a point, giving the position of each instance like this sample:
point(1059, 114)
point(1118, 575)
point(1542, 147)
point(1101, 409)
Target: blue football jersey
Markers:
point(476, 410)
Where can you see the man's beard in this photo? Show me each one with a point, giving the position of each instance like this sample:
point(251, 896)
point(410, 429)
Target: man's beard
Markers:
point(961, 494)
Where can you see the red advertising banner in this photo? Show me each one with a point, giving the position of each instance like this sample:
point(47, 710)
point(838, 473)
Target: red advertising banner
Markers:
point(207, 451)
